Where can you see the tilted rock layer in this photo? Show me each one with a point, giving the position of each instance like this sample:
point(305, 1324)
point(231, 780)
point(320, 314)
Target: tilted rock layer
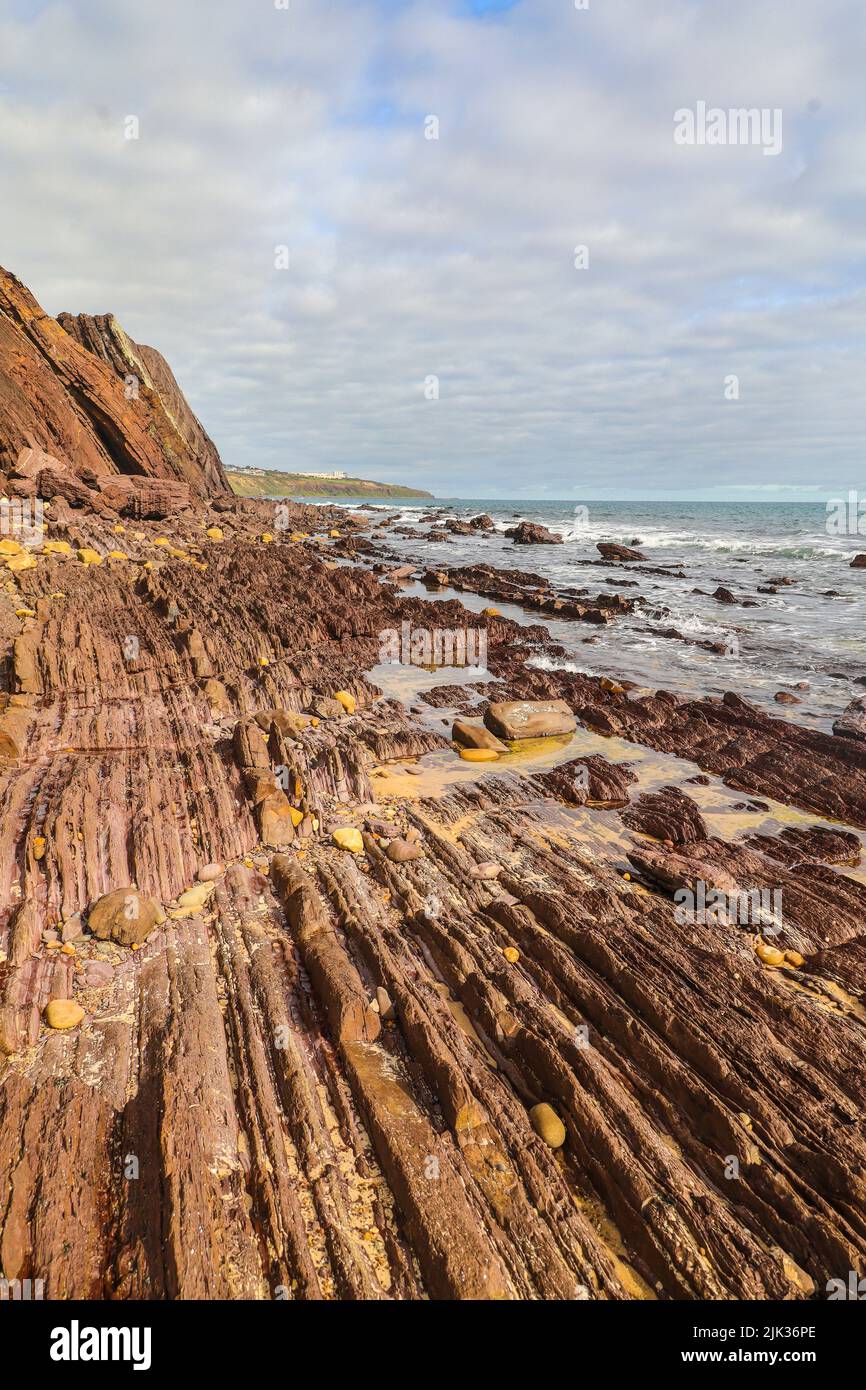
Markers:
point(86, 394)
point(500, 1060)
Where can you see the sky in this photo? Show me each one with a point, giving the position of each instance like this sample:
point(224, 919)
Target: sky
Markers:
point(334, 289)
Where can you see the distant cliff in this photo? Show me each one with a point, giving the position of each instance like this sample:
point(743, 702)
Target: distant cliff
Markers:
point(276, 484)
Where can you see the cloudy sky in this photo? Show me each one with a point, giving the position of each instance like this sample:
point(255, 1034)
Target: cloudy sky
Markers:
point(411, 258)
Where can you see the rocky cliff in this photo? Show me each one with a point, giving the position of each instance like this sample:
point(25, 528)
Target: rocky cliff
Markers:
point(82, 392)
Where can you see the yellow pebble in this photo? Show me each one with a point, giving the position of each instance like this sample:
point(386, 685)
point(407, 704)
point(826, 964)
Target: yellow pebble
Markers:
point(347, 837)
point(88, 556)
point(347, 700)
point(39, 843)
point(511, 954)
point(547, 1125)
point(214, 533)
point(770, 955)
point(162, 540)
point(63, 1013)
point(267, 538)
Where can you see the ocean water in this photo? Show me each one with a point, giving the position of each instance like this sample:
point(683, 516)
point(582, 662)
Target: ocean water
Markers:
point(794, 636)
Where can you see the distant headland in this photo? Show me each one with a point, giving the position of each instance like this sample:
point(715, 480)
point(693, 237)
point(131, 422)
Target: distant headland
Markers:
point(264, 482)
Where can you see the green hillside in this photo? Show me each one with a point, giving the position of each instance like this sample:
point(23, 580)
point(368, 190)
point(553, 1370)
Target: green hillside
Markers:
point(276, 484)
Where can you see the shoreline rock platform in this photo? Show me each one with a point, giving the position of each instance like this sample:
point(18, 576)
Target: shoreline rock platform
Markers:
point(322, 1041)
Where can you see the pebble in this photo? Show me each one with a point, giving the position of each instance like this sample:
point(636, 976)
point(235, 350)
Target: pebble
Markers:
point(209, 872)
point(196, 897)
point(347, 700)
point(770, 955)
point(384, 1005)
point(547, 1125)
point(98, 974)
point(63, 1013)
point(349, 837)
point(511, 954)
point(402, 851)
point(487, 870)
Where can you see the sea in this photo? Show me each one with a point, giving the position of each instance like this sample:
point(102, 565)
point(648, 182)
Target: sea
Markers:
point(807, 639)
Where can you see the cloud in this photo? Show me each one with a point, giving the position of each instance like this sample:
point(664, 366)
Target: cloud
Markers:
point(455, 257)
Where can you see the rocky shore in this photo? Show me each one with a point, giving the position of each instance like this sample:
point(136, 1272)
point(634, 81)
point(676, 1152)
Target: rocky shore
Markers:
point(298, 1000)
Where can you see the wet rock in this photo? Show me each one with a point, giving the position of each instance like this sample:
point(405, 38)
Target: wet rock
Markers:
point(852, 724)
point(610, 551)
point(529, 533)
point(784, 697)
point(518, 719)
point(476, 736)
point(125, 916)
point(723, 595)
point(590, 781)
point(667, 815)
point(858, 563)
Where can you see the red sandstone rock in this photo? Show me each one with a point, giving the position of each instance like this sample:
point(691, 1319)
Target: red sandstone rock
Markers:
point(67, 399)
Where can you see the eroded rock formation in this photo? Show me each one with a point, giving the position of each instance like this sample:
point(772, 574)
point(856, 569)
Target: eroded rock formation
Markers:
point(81, 391)
point(337, 1036)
